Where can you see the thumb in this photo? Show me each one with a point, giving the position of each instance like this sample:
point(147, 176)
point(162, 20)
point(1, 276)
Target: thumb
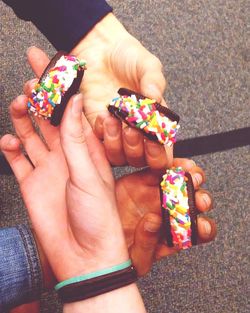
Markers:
point(37, 59)
point(145, 243)
point(152, 80)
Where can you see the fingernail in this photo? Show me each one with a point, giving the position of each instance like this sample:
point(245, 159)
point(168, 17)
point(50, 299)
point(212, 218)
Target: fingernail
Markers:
point(151, 227)
point(32, 81)
point(77, 105)
point(99, 121)
point(21, 98)
point(112, 130)
point(153, 149)
point(189, 164)
point(28, 50)
point(207, 227)
point(206, 199)
point(11, 141)
point(198, 178)
point(192, 163)
point(132, 137)
point(153, 92)
point(103, 115)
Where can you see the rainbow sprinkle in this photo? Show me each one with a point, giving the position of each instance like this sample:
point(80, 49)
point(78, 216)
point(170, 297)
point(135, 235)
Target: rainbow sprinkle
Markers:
point(142, 114)
point(175, 200)
point(48, 93)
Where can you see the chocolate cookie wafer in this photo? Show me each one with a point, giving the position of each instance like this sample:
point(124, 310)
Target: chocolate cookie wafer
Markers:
point(157, 122)
point(179, 213)
point(60, 80)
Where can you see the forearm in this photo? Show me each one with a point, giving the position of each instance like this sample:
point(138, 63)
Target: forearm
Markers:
point(63, 22)
point(106, 32)
point(124, 300)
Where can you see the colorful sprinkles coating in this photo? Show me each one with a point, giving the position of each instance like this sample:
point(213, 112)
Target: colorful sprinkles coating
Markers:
point(48, 93)
point(175, 201)
point(142, 114)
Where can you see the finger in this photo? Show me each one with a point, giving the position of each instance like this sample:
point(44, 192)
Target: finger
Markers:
point(152, 80)
point(207, 229)
point(29, 86)
point(97, 153)
point(38, 60)
point(133, 146)
point(156, 155)
point(198, 176)
point(83, 173)
point(113, 141)
point(10, 147)
point(163, 103)
point(50, 133)
point(98, 128)
point(145, 242)
point(197, 173)
point(163, 251)
point(203, 200)
point(152, 85)
point(35, 148)
point(186, 164)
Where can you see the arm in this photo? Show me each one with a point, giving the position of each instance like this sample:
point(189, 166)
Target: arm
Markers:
point(50, 16)
point(127, 299)
point(75, 140)
point(78, 235)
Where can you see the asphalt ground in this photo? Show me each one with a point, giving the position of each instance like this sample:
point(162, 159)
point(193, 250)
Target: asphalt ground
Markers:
point(204, 48)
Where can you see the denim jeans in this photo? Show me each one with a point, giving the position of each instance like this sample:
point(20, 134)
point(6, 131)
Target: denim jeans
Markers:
point(20, 268)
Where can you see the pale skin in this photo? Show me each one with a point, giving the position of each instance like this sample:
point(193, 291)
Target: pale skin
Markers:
point(116, 59)
point(80, 242)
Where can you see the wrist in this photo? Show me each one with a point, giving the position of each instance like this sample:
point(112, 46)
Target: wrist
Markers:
point(108, 302)
point(105, 261)
point(49, 279)
point(107, 32)
point(91, 263)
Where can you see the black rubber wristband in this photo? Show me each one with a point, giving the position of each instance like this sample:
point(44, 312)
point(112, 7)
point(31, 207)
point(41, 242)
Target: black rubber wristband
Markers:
point(96, 286)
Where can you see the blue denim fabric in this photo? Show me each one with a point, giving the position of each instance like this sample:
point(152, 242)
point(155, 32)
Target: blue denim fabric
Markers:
point(20, 268)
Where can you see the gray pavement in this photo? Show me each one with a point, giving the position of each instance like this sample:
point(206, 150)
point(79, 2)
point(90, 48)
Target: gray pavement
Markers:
point(204, 48)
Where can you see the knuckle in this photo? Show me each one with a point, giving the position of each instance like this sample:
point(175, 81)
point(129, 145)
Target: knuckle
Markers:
point(5, 139)
point(155, 62)
point(114, 150)
point(73, 137)
point(147, 245)
point(27, 133)
point(158, 63)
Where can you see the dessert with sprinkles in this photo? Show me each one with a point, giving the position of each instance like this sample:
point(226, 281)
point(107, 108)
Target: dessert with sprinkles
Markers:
point(178, 208)
point(157, 122)
point(60, 80)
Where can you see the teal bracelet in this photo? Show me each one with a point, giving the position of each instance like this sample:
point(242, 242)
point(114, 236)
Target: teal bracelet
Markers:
point(105, 271)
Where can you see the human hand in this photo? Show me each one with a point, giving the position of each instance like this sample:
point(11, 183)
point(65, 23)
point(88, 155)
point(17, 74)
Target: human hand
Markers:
point(143, 202)
point(116, 59)
point(69, 192)
point(141, 220)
